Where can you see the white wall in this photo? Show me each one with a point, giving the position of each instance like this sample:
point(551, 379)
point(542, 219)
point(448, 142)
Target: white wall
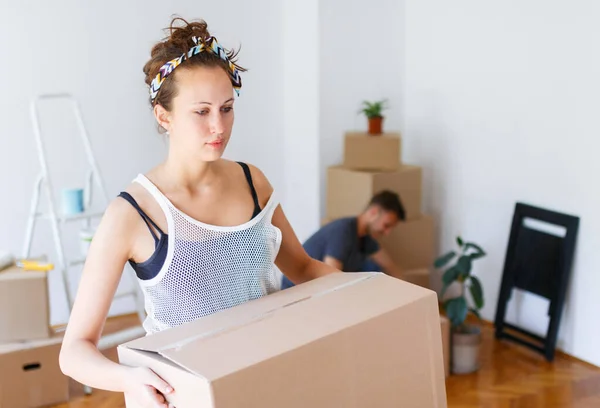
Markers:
point(361, 58)
point(97, 53)
point(501, 99)
point(300, 42)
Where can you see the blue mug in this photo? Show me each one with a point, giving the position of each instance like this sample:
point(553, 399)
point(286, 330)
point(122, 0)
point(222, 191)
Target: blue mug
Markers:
point(72, 201)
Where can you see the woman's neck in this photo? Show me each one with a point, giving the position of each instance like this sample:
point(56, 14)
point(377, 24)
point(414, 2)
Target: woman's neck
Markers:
point(188, 174)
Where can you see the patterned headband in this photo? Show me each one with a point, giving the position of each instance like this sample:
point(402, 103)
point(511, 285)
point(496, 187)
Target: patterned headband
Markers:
point(209, 44)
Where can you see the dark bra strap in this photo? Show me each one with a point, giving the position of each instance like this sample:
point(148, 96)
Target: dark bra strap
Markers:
point(252, 189)
point(125, 195)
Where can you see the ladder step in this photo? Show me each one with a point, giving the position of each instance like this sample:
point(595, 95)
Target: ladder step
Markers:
point(76, 262)
point(123, 294)
point(66, 218)
point(82, 216)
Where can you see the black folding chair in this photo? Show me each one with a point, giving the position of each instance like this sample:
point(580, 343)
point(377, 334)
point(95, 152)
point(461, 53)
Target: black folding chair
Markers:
point(537, 262)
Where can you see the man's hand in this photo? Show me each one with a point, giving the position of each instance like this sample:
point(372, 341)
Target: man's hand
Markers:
point(331, 261)
point(383, 259)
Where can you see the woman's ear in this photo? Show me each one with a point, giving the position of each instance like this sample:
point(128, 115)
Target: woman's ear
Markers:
point(162, 117)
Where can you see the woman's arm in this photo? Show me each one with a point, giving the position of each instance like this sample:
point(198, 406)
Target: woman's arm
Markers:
point(292, 259)
point(80, 358)
point(108, 252)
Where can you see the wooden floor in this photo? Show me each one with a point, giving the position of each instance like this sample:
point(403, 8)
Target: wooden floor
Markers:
point(511, 376)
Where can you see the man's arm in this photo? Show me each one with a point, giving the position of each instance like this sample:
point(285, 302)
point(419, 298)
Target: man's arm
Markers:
point(331, 261)
point(338, 247)
point(383, 259)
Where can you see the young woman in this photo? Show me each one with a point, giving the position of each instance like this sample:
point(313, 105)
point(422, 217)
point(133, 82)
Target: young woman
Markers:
point(202, 233)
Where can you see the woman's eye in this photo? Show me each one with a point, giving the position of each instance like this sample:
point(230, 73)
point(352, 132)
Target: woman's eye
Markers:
point(227, 109)
point(202, 112)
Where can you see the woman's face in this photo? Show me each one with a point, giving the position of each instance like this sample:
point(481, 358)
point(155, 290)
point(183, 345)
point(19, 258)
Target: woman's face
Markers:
point(201, 118)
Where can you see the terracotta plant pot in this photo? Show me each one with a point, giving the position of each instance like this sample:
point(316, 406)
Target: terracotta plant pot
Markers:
point(465, 351)
point(375, 125)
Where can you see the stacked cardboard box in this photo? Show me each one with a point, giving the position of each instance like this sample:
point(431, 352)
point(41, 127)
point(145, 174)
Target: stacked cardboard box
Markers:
point(372, 164)
point(30, 375)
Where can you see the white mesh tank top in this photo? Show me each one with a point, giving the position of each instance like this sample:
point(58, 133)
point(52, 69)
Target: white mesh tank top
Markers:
point(209, 268)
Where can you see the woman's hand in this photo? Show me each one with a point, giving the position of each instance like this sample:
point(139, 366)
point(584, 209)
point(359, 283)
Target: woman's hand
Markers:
point(147, 389)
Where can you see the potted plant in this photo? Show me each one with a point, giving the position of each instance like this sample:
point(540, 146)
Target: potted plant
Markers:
point(466, 337)
point(373, 112)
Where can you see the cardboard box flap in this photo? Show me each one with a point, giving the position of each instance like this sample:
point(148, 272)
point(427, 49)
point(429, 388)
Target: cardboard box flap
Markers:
point(15, 273)
point(6, 348)
point(235, 317)
point(273, 331)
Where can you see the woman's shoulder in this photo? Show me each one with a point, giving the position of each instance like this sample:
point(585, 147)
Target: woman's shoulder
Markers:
point(261, 182)
point(120, 209)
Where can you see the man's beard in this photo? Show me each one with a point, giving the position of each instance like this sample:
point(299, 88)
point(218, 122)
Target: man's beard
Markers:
point(372, 233)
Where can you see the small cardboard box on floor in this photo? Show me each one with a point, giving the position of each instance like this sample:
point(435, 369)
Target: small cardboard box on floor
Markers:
point(344, 340)
point(30, 375)
point(24, 311)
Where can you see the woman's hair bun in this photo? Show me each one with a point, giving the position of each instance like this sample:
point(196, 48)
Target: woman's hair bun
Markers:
point(179, 41)
point(181, 37)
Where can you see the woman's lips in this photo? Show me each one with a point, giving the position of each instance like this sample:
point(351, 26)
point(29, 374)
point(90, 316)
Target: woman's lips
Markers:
point(216, 143)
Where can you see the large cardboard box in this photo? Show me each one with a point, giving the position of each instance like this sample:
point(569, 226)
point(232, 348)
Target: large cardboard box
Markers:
point(24, 308)
point(349, 191)
point(411, 244)
point(30, 375)
point(344, 340)
point(369, 152)
point(445, 326)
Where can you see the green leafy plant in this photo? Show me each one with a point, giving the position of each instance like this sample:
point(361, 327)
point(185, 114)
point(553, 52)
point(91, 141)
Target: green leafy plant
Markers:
point(373, 109)
point(457, 308)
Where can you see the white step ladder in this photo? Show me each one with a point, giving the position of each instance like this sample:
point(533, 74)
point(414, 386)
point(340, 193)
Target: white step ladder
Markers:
point(43, 185)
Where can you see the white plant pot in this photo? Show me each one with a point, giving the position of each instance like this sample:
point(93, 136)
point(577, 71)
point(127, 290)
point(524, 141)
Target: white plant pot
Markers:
point(465, 351)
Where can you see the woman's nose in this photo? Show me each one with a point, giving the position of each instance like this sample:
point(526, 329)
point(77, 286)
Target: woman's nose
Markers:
point(216, 123)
